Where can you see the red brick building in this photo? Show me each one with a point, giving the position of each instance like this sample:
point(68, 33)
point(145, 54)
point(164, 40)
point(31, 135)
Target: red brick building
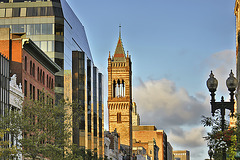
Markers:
point(34, 69)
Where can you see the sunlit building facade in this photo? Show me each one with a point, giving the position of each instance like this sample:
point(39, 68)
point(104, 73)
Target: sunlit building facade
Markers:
point(181, 155)
point(54, 27)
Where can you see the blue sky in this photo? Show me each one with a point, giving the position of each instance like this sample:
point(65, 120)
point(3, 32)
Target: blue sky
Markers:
point(173, 45)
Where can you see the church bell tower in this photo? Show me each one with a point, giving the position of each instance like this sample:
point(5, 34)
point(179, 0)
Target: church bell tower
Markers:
point(120, 95)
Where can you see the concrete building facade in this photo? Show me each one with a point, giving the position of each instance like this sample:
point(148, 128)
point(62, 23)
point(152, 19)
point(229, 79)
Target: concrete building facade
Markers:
point(120, 95)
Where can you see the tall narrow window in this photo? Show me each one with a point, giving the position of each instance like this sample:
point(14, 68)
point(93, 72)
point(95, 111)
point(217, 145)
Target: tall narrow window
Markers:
point(119, 118)
point(30, 67)
point(114, 89)
point(43, 78)
point(33, 70)
point(25, 88)
point(52, 84)
point(30, 89)
point(38, 95)
point(38, 74)
point(33, 93)
point(25, 63)
point(47, 81)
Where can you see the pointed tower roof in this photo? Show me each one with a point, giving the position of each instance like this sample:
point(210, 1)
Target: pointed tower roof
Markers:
point(119, 54)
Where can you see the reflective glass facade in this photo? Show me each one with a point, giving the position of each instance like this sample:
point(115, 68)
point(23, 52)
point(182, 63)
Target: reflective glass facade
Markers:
point(4, 84)
point(54, 27)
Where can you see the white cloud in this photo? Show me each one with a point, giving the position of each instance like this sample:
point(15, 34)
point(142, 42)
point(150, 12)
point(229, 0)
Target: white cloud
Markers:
point(187, 139)
point(163, 104)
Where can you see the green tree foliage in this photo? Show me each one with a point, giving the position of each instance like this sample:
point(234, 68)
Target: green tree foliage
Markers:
point(6, 152)
point(218, 139)
point(46, 130)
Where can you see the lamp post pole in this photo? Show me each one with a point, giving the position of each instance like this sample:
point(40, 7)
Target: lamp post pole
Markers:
point(212, 84)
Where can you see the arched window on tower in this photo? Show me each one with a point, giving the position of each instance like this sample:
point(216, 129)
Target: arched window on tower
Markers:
point(114, 88)
point(118, 89)
point(123, 88)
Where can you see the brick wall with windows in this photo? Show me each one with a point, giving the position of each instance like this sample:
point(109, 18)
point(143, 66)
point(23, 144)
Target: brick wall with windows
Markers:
point(35, 71)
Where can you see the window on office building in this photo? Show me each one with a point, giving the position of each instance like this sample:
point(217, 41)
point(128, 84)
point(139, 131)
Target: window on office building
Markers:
point(23, 12)
point(2, 12)
point(8, 12)
point(16, 12)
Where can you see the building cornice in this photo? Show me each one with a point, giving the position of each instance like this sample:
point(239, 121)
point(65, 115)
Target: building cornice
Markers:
point(40, 56)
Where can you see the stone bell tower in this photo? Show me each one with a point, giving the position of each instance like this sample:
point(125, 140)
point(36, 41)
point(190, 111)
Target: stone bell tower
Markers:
point(120, 95)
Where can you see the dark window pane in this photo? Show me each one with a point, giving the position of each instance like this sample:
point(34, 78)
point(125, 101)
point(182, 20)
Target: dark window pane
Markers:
point(50, 11)
point(32, 11)
point(59, 80)
point(56, 1)
point(59, 62)
point(5, 1)
point(43, 11)
point(59, 28)
point(59, 46)
point(58, 12)
point(25, 88)
point(16, 12)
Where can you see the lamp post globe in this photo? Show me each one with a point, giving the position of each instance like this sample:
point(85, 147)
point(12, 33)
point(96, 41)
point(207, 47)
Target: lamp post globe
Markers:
point(212, 83)
point(231, 82)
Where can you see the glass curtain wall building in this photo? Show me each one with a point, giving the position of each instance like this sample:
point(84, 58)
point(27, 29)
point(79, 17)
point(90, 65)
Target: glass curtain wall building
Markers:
point(54, 27)
point(4, 87)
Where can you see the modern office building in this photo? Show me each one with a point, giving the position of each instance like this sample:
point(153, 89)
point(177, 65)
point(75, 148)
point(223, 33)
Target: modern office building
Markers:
point(53, 26)
point(87, 92)
point(4, 83)
point(4, 88)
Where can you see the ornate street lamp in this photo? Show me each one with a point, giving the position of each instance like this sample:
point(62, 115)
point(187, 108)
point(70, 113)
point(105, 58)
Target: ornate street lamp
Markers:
point(212, 84)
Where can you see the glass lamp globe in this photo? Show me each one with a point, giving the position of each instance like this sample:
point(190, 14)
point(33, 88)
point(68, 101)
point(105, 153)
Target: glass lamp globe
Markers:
point(212, 83)
point(231, 82)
